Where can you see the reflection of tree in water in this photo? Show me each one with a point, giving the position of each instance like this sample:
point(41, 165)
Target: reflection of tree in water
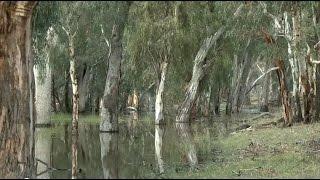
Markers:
point(109, 155)
point(185, 136)
point(158, 134)
point(43, 142)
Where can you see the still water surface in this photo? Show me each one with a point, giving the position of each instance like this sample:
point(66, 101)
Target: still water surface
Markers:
point(140, 149)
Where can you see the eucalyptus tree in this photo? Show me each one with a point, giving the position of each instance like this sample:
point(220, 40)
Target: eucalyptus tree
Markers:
point(109, 111)
point(199, 68)
point(45, 41)
point(16, 102)
point(70, 25)
point(150, 43)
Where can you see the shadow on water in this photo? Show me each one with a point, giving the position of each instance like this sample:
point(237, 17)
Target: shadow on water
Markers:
point(140, 149)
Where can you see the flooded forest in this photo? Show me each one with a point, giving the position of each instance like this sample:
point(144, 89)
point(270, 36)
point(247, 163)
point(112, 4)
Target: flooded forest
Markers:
point(159, 89)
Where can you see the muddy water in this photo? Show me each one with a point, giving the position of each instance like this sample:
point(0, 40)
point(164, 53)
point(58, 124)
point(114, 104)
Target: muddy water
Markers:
point(139, 150)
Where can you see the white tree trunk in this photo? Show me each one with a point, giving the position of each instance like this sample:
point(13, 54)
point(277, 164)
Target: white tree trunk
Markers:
point(109, 110)
point(158, 134)
point(43, 83)
point(197, 75)
point(159, 104)
point(75, 103)
point(43, 93)
point(294, 70)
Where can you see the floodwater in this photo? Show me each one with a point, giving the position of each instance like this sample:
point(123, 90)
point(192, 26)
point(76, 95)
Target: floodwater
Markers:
point(140, 149)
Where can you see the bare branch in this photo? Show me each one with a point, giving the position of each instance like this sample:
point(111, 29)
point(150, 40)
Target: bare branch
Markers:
point(260, 68)
point(255, 82)
point(67, 32)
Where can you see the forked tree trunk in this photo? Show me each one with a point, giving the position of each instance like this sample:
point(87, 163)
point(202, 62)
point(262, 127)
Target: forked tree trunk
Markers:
point(15, 105)
point(287, 111)
point(159, 119)
point(197, 75)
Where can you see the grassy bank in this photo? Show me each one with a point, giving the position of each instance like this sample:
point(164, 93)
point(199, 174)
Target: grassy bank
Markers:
point(271, 152)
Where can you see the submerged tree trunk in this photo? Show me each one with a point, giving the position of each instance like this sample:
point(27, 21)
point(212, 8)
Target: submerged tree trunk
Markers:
point(198, 72)
point(15, 106)
point(159, 119)
point(109, 111)
point(288, 116)
point(75, 103)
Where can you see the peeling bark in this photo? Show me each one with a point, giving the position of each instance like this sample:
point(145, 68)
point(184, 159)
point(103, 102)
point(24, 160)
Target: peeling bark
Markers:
point(294, 71)
point(16, 114)
point(109, 112)
point(287, 113)
point(197, 75)
point(75, 103)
